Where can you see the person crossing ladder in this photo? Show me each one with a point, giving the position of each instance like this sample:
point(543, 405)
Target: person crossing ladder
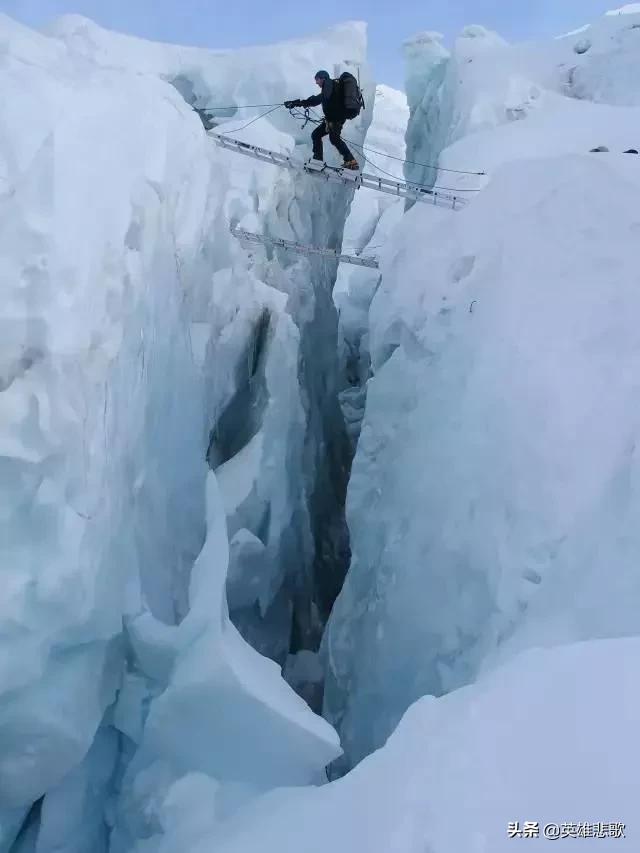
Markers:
point(341, 100)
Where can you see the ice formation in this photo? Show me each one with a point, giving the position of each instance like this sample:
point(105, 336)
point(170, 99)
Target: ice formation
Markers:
point(528, 743)
point(139, 342)
point(493, 495)
point(178, 417)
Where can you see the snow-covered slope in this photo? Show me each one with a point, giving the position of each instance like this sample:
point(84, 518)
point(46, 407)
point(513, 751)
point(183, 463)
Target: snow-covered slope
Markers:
point(138, 341)
point(531, 743)
point(493, 497)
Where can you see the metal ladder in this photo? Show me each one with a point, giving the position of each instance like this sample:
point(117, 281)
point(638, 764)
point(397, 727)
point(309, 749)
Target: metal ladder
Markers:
point(301, 249)
point(347, 177)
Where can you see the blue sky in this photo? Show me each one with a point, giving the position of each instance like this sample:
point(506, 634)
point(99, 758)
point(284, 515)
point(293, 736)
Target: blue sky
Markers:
point(235, 23)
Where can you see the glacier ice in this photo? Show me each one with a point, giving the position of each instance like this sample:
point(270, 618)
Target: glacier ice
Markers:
point(83, 440)
point(174, 456)
point(484, 83)
point(371, 221)
point(139, 342)
point(493, 494)
point(426, 61)
point(225, 714)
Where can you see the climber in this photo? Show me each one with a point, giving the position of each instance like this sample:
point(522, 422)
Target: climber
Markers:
point(341, 100)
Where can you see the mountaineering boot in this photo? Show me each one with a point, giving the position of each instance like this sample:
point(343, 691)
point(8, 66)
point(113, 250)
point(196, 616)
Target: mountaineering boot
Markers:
point(350, 164)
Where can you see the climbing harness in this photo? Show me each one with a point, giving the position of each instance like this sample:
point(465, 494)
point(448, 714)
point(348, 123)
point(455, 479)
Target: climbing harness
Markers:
point(307, 117)
point(301, 249)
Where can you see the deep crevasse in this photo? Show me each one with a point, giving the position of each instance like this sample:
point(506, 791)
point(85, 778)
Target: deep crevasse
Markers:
point(484, 522)
point(372, 219)
point(494, 494)
point(138, 339)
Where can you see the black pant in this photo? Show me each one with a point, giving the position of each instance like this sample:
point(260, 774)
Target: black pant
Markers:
point(334, 129)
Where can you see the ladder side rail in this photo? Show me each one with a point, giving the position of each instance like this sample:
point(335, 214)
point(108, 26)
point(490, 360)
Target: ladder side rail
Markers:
point(290, 245)
point(400, 189)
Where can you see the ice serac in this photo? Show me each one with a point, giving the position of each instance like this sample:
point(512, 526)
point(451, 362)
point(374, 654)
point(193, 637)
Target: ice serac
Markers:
point(141, 346)
point(531, 742)
point(97, 386)
point(494, 490)
point(452, 94)
point(426, 61)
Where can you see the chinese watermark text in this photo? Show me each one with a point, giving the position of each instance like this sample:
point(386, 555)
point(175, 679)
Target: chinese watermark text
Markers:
point(555, 831)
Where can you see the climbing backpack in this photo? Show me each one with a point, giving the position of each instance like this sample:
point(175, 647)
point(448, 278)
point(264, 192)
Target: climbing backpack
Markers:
point(352, 99)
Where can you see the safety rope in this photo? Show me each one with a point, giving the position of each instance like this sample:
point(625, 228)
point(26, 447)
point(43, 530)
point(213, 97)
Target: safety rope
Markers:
point(257, 118)
point(391, 156)
point(307, 118)
point(364, 148)
point(391, 175)
point(238, 107)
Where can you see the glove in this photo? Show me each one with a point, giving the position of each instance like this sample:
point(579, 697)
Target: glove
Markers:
point(290, 104)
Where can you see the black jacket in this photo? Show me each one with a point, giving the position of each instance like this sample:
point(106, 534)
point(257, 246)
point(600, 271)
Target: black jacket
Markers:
point(331, 100)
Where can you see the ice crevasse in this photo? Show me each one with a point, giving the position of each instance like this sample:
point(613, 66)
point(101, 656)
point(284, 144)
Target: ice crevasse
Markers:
point(173, 451)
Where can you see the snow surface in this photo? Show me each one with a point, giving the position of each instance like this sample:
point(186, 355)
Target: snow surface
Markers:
point(629, 9)
point(531, 742)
